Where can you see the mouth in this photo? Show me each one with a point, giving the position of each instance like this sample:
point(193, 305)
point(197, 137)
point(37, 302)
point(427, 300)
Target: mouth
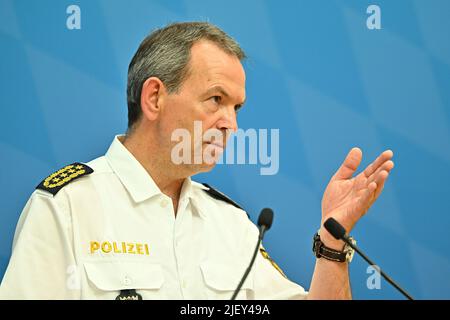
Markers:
point(216, 144)
point(217, 147)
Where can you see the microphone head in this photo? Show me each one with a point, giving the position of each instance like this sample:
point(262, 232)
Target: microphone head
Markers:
point(265, 218)
point(334, 228)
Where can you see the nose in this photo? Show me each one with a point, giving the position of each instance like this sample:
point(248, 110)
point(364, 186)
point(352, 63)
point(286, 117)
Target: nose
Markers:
point(228, 120)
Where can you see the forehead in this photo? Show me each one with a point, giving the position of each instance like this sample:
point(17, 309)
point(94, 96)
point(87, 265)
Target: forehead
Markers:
point(210, 65)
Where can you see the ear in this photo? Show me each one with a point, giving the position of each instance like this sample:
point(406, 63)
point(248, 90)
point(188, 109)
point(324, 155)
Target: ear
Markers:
point(152, 94)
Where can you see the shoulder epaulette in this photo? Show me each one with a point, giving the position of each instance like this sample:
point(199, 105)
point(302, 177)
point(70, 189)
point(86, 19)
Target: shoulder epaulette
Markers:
point(57, 180)
point(266, 256)
point(216, 194)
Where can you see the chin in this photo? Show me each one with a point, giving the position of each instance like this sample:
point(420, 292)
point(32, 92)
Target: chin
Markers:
point(208, 167)
point(204, 167)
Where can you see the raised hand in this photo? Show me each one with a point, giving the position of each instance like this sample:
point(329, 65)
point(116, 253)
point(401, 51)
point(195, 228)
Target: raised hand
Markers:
point(348, 198)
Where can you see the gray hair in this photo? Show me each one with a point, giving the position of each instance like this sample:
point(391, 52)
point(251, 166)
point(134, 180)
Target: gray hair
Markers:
point(165, 54)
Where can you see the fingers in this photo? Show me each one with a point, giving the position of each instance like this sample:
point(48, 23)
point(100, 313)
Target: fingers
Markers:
point(386, 166)
point(350, 164)
point(373, 189)
point(381, 180)
point(382, 158)
point(366, 198)
point(371, 192)
point(374, 185)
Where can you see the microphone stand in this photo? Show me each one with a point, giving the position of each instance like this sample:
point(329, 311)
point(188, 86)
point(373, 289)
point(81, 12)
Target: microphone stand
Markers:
point(260, 238)
point(370, 262)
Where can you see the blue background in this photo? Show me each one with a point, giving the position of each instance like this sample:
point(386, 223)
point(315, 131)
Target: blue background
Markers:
point(314, 71)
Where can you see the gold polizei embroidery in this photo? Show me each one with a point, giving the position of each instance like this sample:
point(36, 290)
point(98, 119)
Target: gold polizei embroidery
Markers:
point(60, 177)
point(113, 247)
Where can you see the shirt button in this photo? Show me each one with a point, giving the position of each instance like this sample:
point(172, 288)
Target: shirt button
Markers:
point(183, 284)
point(127, 280)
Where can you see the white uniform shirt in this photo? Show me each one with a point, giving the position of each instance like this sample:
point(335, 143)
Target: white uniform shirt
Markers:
point(113, 230)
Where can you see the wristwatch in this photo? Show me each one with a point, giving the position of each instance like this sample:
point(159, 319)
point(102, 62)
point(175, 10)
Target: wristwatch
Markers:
point(320, 250)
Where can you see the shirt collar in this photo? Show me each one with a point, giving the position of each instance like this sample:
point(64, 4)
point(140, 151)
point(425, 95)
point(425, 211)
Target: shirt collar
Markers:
point(188, 189)
point(191, 187)
point(136, 179)
point(131, 173)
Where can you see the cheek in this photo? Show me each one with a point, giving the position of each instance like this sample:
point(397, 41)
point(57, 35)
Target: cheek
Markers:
point(197, 114)
point(209, 120)
point(182, 112)
point(167, 129)
point(207, 124)
point(174, 115)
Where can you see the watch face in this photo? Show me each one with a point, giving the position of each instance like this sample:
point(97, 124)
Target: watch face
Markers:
point(349, 250)
point(316, 244)
point(350, 255)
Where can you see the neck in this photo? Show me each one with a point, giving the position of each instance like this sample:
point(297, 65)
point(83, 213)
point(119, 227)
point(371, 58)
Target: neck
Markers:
point(157, 167)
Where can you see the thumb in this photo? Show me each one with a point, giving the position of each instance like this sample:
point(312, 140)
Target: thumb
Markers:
point(349, 165)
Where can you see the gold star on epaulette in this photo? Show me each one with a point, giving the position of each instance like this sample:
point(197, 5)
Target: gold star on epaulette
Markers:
point(57, 180)
point(266, 256)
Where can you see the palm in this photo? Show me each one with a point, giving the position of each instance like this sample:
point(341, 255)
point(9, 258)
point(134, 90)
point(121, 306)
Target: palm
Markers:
point(348, 198)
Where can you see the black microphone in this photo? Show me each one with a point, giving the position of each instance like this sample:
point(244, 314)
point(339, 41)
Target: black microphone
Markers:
point(265, 220)
point(338, 232)
point(264, 223)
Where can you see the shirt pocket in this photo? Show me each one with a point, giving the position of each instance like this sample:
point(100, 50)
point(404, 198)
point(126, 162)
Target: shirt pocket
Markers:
point(222, 279)
point(108, 278)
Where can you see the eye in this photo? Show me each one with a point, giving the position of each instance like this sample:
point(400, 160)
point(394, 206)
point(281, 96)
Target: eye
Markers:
point(216, 99)
point(237, 107)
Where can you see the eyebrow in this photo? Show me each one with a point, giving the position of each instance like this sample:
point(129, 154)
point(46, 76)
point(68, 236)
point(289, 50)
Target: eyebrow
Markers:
point(223, 92)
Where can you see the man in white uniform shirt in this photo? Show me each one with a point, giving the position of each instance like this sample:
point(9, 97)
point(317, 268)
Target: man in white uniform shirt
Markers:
point(132, 224)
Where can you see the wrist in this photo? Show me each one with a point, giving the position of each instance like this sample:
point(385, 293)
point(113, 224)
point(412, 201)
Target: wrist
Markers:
point(325, 246)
